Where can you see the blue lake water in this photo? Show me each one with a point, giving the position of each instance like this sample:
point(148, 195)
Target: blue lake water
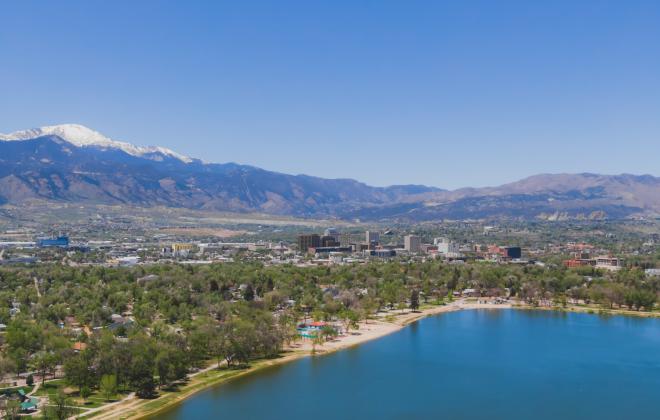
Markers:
point(474, 364)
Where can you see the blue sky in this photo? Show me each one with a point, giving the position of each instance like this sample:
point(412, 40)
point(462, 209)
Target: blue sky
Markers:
point(450, 94)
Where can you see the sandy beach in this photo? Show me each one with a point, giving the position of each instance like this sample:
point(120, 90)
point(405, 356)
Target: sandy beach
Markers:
point(384, 324)
point(396, 320)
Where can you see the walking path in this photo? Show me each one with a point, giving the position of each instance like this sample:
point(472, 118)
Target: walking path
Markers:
point(111, 411)
point(109, 406)
point(36, 286)
point(35, 389)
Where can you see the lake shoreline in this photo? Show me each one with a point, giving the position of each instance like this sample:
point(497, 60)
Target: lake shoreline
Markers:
point(387, 323)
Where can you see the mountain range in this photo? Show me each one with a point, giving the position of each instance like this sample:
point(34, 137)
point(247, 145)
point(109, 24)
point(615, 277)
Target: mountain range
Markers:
point(72, 163)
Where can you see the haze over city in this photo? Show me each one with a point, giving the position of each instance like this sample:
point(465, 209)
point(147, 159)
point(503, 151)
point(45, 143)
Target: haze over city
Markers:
point(382, 92)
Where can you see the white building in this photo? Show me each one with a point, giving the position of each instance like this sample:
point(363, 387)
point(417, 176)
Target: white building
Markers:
point(652, 272)
point(445, 246)
point(609, 263)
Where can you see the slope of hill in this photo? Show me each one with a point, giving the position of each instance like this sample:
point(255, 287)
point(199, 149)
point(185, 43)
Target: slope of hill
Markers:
point(50, 167)
point(71, 163)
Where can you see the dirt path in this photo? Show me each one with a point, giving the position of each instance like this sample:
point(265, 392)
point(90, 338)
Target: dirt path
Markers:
point(35, 389)
point(129, 401)
point(36, 286)
point(113, 409)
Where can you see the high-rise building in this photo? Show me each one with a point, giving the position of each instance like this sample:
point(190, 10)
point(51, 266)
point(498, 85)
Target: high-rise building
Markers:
point(372, 237)
point(445, 246)
point(412, 243)
point(345, 239)
point(308, 241)
point(329, 240)
point(334, 232)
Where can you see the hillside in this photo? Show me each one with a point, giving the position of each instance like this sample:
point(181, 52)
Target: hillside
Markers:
point(71, 163)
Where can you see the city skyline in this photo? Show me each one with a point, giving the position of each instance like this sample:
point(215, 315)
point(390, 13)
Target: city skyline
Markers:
point(423, 93)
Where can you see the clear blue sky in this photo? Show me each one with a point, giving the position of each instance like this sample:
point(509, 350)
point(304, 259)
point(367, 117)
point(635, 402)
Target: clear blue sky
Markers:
point(451, 94)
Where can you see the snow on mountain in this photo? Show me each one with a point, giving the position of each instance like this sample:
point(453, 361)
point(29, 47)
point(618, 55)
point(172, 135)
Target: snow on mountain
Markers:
point(82, 136)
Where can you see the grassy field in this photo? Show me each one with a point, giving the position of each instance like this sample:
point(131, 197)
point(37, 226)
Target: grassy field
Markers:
point(168, 398)
point(95, 400)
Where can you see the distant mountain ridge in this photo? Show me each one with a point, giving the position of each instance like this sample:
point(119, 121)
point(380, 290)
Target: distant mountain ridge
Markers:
point(100, 170)
point(72, 163)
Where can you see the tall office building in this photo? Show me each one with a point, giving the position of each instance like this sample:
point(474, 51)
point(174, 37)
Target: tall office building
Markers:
point(412, 243)
point(445, 246)
point(334, 232)
point(329, 241)
point(372, 237)
point(345, 239)
point(308, 241)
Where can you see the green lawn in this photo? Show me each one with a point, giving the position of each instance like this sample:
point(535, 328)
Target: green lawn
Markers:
point(50, 389)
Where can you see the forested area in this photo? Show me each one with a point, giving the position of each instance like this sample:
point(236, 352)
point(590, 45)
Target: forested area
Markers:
point(178, 318)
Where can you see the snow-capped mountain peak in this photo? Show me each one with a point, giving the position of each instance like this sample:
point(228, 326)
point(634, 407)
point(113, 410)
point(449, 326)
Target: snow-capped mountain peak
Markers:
point(81, 136)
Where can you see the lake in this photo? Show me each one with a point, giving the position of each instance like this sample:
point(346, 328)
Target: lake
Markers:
point(472, 364)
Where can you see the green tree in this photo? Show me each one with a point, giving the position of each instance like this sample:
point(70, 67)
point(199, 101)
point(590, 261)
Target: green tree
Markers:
point(170, 365)
point(85, 392)
point(59, 407)
point(350, 319)
point(142, 371)
point(236, 341)
point(12, 409)
point(7, 366)
point(108, 386)
point(414, 300)
point(43, 362)
point(77, 371)
point(248, 293)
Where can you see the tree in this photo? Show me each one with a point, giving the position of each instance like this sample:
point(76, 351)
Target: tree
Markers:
point(414, 300)
point(29, 381)
point(350, 319)
point(12, 409)
point(248, 293)
point(85, 392)
point(7, 366)
point(108, 386)
point(43, 362)
point(142, 369)
point(200, 341)
point(77, 371)
point(392, 292)
point(144, 384)
point(170, 365)
point(213, 286)
point(60, 407)
point(452, 282)
point(328, 332)
point(317, 340)
point(163, 368)
point(644, 299)
point(236, 341)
